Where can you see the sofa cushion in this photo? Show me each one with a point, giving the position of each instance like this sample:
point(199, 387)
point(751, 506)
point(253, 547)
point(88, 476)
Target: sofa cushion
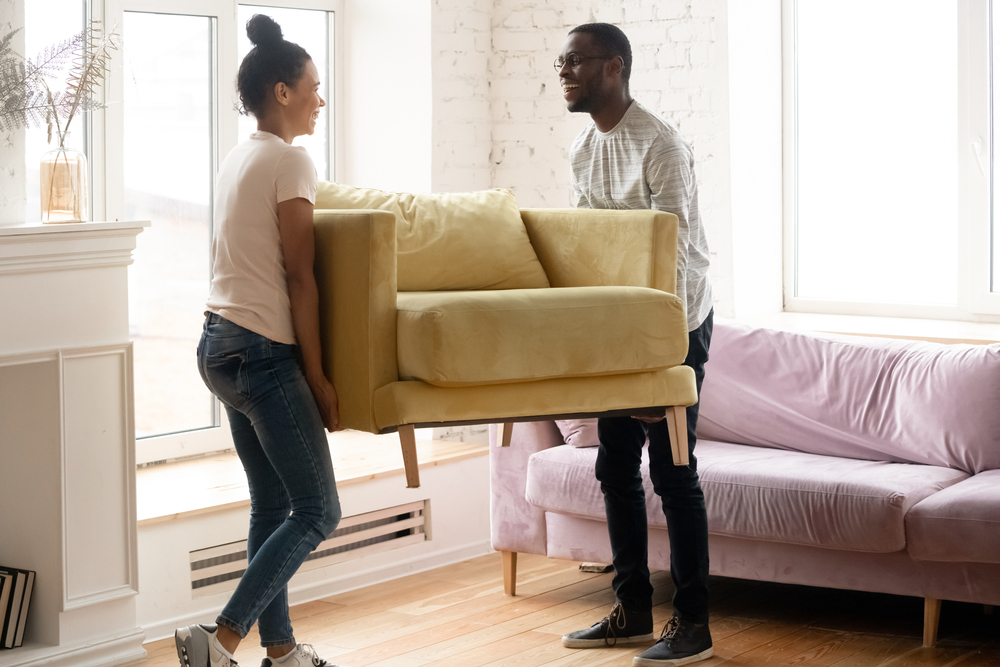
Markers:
point(491, 336)
point(960, 524)
point(452, 241)
point(763, 494)
point(853, 396)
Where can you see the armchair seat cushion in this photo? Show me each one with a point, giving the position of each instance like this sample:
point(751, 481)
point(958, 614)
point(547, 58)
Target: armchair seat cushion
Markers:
point(454, 339)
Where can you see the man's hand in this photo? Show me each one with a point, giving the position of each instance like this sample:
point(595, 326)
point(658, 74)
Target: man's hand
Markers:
point(326, 401)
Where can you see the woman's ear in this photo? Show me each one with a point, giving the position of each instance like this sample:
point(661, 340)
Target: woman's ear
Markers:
point(281, 93)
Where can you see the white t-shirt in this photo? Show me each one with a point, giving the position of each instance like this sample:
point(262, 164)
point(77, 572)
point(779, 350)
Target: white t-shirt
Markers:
point(249, 286)
point(645, 163)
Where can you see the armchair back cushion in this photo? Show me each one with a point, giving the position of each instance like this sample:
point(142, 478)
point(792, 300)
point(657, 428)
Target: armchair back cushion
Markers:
point(580, 247)
point(451, 241)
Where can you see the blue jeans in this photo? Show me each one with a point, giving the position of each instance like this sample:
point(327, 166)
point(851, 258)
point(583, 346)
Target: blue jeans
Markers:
point(618, 458)
point(279, 436)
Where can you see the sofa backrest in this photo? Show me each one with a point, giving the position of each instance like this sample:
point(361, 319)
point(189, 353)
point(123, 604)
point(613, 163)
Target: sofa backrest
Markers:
point(450, 241)
point(858, 397)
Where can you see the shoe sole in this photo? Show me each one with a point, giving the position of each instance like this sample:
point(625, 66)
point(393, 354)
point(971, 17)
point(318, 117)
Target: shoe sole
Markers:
point(639, 661)
point(191, 646)
point(598, 643)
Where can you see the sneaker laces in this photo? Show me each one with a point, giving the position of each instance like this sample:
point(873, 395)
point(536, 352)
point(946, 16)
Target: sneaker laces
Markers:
point(611, 622)
point(671, 629)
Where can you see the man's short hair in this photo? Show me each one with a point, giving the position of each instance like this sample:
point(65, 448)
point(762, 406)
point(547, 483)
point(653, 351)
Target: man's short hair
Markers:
point(612, 40)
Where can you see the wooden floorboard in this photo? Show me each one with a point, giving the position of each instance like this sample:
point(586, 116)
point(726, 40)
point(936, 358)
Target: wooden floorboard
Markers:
point(458, 616)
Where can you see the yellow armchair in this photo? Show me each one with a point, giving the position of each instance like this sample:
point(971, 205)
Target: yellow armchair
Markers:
point(497, 315)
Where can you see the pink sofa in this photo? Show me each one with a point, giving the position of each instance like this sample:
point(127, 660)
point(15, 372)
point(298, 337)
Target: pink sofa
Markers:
point(840, 461)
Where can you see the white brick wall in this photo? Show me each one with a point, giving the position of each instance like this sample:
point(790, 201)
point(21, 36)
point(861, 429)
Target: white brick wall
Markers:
point(499, 117)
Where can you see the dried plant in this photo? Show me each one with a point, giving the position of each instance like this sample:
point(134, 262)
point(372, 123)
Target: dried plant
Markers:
point(26, 100)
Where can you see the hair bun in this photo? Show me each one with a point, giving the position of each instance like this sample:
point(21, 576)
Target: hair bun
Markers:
point(263, 31)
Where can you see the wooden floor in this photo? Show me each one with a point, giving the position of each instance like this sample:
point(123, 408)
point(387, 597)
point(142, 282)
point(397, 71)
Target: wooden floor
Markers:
point(458, 616)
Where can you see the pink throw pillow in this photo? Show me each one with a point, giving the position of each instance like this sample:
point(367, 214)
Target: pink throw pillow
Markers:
point(579, 432)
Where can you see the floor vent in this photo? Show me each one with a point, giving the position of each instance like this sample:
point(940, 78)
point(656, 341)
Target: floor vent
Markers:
point(218, 569)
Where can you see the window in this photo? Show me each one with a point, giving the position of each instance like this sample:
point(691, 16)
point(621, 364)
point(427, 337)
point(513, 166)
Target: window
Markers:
point(177, 120)
point(169, 171)
point(885, 213)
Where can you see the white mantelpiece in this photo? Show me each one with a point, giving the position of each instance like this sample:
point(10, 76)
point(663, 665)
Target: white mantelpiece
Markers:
point(67, 440)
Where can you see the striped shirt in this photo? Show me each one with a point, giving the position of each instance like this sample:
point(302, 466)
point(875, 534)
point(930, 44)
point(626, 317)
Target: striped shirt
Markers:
point(645, 163)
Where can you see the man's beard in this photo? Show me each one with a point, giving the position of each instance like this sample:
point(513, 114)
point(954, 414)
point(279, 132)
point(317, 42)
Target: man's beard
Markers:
point(583, 105)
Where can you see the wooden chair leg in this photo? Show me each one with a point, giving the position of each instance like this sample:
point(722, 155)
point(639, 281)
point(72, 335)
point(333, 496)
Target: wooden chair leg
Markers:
point(509, 571)
point(408, 442)
point(932, 614)
point(503, 433)
point(677, 429)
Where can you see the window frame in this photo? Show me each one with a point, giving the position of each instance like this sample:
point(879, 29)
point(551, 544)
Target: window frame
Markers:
point(107, 132)
point(974, 299)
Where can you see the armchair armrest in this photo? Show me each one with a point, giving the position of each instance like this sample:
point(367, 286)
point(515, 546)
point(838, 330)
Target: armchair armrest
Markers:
point(356, 276)
point(585, 247)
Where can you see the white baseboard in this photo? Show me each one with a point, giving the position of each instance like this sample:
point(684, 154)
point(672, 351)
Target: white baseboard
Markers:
point(299, 594)
point(119, 649)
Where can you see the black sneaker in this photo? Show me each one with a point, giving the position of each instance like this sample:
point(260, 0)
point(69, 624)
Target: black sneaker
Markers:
point(620, 626)
point(681, 643)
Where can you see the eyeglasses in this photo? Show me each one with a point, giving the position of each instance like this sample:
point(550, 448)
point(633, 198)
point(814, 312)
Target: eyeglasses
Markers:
point(574, 60)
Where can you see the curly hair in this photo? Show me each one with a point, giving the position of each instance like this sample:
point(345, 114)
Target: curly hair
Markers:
point(272, 59)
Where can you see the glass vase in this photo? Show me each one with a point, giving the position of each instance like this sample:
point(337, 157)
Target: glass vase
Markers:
point(63, 180)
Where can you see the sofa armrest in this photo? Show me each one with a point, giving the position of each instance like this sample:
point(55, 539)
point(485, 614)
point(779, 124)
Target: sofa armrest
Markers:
point(584, 247)
point(356, 275)
point(515, 524)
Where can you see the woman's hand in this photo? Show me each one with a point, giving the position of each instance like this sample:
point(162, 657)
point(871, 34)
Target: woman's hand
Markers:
point(326, 401)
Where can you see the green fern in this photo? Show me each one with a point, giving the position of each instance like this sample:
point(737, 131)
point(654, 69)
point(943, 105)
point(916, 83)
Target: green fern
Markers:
point(26, 99)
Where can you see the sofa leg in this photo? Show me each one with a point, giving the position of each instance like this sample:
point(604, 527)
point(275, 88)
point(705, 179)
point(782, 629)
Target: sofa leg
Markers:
point(677, 429)
point(932, 614)
point(408, 443)
point(509, 571)
point(503, 433)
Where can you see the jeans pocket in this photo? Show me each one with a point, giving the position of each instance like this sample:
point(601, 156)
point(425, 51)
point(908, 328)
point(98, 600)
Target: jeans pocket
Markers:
point(226, 376)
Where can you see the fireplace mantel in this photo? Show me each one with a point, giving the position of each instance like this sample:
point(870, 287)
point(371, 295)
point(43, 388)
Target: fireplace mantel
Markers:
point(67, 439)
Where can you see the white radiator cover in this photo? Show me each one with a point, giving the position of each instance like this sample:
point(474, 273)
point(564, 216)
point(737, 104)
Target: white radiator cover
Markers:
point(219, 568)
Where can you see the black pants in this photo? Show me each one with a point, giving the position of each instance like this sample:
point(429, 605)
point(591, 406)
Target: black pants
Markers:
point(618, 460)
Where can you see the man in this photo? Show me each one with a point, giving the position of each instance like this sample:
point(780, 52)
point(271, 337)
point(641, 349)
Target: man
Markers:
point(629, 158)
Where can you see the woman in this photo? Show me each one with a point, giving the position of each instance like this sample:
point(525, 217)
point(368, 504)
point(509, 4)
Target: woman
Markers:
point(260, 351)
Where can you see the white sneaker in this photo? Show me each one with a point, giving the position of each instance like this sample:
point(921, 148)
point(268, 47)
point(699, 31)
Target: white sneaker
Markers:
point(303, 655)
point(198, 646)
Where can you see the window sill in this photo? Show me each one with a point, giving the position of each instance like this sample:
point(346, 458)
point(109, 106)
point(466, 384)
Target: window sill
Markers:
point(939, 331)
point(217, 482)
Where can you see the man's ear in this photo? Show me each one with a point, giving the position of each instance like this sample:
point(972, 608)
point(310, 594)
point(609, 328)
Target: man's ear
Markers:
point(281, 93)
point(616, 65)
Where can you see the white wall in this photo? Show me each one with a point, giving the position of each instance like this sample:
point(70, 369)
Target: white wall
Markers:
point(387, 94)
point(755, 143)
point(12, 179)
